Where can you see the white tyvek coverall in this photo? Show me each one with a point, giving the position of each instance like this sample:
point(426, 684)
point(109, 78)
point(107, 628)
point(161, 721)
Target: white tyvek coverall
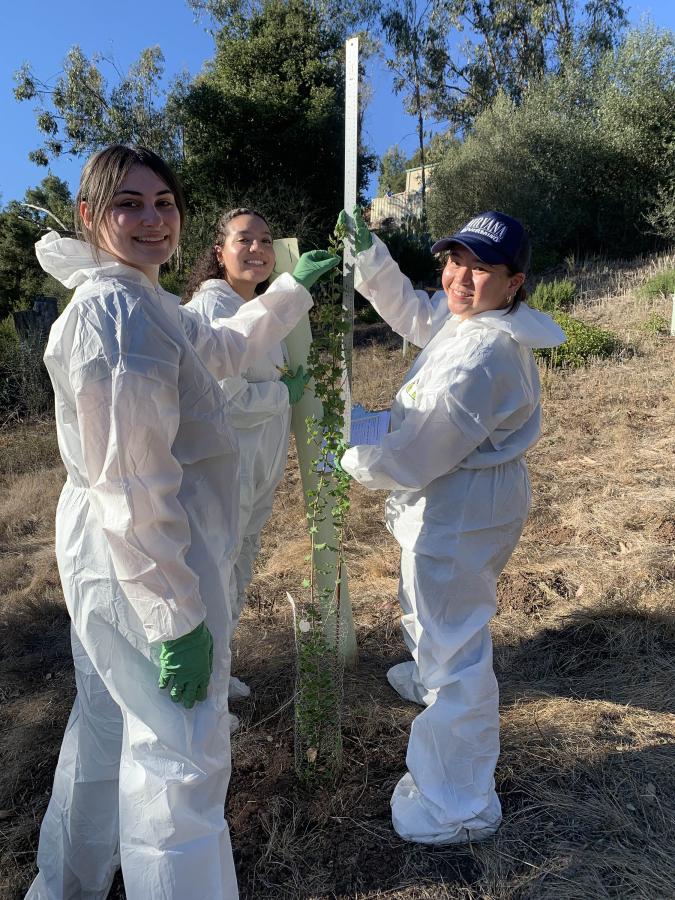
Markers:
point(145, 536)
point(260, 413)
point(467, 412)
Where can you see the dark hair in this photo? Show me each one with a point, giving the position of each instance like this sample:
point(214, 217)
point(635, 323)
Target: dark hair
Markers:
point(520, 295)
point(101, 178)
point(208, 265)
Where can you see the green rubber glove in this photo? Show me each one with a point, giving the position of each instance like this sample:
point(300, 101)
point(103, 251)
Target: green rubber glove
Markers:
point(296, 384)
point(363, 239)
point(185, 665)
point(314, 265)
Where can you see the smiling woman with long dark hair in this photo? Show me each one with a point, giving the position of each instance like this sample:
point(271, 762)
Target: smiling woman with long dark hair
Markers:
point(234, 269)
point(146, 527)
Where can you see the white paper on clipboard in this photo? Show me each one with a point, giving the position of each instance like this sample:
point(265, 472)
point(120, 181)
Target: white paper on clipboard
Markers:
point(368, 427)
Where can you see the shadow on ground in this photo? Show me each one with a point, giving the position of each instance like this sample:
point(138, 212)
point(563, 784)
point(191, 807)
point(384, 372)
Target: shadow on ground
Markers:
point(565, 806)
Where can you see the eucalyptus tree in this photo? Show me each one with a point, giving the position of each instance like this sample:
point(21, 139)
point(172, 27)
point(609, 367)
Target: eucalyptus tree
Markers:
point(92, 103)
point(451, 58)
point(411, 31)
point(508, 45)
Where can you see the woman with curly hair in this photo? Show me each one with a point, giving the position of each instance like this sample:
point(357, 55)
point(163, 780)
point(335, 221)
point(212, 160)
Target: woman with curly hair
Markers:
point(235, 269)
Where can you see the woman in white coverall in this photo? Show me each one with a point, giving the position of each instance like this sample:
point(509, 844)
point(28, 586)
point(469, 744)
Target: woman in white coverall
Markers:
point(454, 462)
point(145, 530)
point(235, 269)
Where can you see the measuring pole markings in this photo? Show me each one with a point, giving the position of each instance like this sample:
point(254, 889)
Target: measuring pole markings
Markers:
point(351, 162)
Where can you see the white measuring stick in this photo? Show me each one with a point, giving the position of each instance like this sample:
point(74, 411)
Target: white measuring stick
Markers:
point(351, 160)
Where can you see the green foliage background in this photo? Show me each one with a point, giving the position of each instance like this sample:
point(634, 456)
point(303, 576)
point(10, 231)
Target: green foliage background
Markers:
point(553, 296)
point(581, 160)
point(21, 277)
point(567, 125)
point(660, 285)
point(584, 344)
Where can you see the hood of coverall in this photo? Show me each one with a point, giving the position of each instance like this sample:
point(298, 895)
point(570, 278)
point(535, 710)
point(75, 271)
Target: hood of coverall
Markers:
point(73, 262)
point(526, 326)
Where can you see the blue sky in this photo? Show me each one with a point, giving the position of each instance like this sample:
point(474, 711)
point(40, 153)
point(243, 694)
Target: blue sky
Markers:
point(42, 31)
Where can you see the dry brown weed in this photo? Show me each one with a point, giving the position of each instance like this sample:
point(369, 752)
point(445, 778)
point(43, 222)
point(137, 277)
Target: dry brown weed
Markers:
point(584, 650)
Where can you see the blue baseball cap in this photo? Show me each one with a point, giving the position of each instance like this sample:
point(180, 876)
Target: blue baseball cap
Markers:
point(495, 238)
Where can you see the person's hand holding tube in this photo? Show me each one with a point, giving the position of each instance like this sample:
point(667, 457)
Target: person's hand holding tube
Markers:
point(296, 383)
point(363, 239)
point(314, 265)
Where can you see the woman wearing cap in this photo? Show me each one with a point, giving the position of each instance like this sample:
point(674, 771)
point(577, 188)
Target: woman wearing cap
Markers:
point(454, 463)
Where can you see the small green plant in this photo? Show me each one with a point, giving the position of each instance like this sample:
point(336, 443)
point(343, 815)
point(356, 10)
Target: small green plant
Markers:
point(584, 343)
point(9, 340)
point(655, 323)
point(660, 285)
point(553, 296)
point(318, 705)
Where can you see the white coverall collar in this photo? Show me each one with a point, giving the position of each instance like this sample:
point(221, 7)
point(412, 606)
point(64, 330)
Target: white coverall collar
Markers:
point(72, 262)
point(221, 284)
point(526, 326)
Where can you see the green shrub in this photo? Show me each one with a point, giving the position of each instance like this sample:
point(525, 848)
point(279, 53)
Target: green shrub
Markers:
point(584, 343)
point(553, 296)
point(25, 389)
point(656, 324)
point(410, 245)
point(9, 340)
point(582, 159)
point(173, 281)
point(660, 285)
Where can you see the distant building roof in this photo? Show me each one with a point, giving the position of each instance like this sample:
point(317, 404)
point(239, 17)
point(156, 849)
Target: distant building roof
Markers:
point(396, 207)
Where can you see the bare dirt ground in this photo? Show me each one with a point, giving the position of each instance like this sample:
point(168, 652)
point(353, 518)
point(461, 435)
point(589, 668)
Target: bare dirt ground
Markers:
point(584, 652)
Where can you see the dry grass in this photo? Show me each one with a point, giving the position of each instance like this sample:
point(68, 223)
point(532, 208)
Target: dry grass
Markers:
point(584, 650)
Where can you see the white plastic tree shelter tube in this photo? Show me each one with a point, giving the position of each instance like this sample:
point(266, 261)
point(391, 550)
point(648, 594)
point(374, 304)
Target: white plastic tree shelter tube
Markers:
point(298, 343)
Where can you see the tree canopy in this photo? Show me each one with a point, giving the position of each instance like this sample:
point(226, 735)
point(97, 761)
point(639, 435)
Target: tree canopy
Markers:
point(453, 57)
point(82, 110)
point(344, 16)
point(269, 112)
point(550, 110)
point(583, 160)
point(393, 164)
point(265, 118)
point(21, 225)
